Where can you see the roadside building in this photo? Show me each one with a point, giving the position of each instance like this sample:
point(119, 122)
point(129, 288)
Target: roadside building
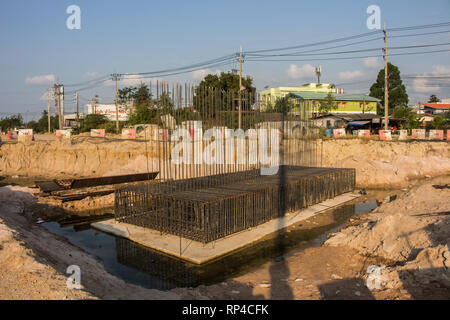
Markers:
point(349, 121)
point(71, 120)
point(109, 110)
point(315, 93)
point(346, 103)
point(434, 108)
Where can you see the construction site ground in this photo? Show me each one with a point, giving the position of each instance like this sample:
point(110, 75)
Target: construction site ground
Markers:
point(405, 242)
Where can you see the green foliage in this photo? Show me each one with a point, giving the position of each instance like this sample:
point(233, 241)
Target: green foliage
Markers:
point(408, 114)
point(145, 108)
point(282, 105)
point(143, 114)
point(397, 91)
point(33, 125)
point(139, 96)
point(328, 104)
point(110, 126)
point(403, 113)
point(438, 123)
point(11, 122)
point(42, 124)
point(93, 121)
point(223, 88)
point(227, 81)
point(434, 99)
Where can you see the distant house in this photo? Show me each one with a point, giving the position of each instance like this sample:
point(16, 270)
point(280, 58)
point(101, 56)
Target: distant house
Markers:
point(315, 93)
point(434, 108)
point(71, 120)
point(349, 121)
point(109, 110)
point(346, 103)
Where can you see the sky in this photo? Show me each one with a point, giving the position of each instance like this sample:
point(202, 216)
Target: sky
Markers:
point(37, 49)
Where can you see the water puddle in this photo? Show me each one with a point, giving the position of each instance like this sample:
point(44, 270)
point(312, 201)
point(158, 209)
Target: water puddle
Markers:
point(152, 269)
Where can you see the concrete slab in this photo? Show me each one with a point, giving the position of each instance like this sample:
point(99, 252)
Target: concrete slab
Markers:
point(199, 253)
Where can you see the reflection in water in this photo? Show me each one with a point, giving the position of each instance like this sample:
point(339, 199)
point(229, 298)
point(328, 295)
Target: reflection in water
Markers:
point(152, 269)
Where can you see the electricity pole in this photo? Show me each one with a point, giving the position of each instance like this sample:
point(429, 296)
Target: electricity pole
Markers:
point(49, 103)
point(62, 106)
point(386, 93)
point(59, 106)
point(240, 88)
point(115, 76)
point(78, 111)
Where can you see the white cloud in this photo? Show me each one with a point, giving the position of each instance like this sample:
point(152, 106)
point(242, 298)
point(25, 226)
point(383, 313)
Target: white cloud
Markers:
point(350, 75)
point(372, 62)
point(44, 96)
point(91, 74)
point(439, 70)
point(202, 73)
point(38, 80)
point(295, 72)
point(127, 80)
point(421, 85)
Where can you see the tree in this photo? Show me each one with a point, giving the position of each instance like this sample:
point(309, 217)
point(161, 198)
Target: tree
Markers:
point(438, 122)
point(328, 104)
point(408, 114)
point(93, 121)
point(225, 83)
point(141, 96)
point(397, 91)
point(282, 105)
point(434, 99)
point(33, 125)
point(141, 115)
point(11, 122)
point(42, 123)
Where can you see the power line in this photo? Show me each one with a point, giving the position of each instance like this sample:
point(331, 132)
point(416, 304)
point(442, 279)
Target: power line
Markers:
point(349, 58)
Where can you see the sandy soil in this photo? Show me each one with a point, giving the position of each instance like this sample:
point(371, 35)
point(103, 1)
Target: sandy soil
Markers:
point(387, 164)
point(411, 258)
point(33, 262)
point(379, 164)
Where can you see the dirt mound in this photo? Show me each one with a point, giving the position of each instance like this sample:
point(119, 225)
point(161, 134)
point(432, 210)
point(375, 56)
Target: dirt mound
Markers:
point(381, 164)
point(412, 235)
point(36, 261)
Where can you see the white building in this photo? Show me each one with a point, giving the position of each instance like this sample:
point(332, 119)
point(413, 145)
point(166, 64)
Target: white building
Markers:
point(109, 110)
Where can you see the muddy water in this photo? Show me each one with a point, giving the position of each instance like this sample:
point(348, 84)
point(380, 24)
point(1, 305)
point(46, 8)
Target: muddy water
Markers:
point(151, 269)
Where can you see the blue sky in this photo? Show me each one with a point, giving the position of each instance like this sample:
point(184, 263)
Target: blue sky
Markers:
point(138, 36)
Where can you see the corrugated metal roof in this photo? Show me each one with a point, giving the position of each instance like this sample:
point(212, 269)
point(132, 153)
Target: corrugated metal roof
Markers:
point(437, 105)
point(339, 97)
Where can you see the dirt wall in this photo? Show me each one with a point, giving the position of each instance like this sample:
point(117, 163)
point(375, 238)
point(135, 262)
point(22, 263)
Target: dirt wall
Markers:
point(379, 164)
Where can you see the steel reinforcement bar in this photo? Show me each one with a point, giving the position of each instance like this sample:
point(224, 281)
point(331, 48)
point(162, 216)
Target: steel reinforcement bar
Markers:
point(222, 205)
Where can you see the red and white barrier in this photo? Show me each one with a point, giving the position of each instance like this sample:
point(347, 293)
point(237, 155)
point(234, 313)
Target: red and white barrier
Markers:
point(448, 135)
point(98, 133)
point(385, 135)
point(436, 135)
point(403, 135)
point(129, 133)
point(63, 133)
point(25, 135)
point(418, 133)
point(337, 133)
point(364, 133)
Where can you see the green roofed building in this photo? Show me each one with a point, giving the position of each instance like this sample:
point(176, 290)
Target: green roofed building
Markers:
point(315, 93)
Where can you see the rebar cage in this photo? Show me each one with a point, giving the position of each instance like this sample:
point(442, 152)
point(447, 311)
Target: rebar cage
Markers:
point(210, 181)
point(207, 209)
